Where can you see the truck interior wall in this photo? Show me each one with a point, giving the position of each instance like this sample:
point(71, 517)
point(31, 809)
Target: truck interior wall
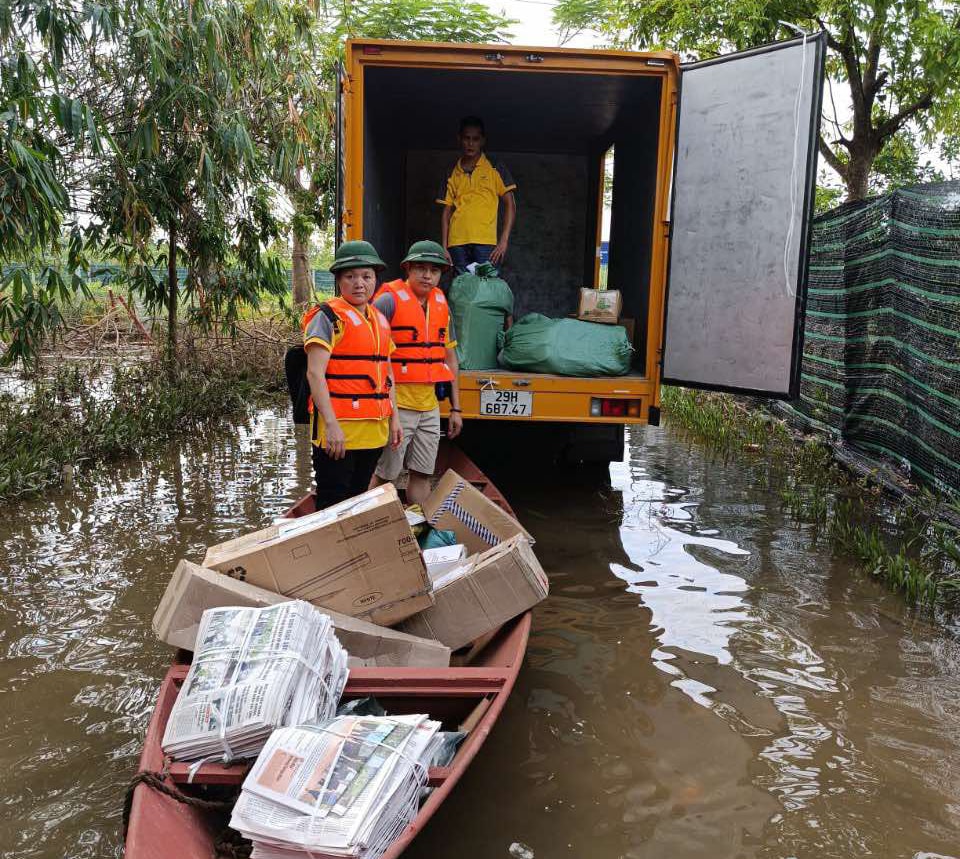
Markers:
point(632, 221)
point(383, 195)
point(550, 130)
point(594, 213)
point(545, 261)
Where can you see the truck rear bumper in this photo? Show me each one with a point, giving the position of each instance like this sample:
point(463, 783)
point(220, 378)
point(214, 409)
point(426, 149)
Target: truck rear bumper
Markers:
point(541, 397)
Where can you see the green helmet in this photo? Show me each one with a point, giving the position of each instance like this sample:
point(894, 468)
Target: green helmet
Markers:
point(357, 254)
point(426, 251)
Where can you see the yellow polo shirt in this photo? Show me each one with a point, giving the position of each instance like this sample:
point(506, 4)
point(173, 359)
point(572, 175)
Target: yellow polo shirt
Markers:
point(358, 434)
point(475, 197)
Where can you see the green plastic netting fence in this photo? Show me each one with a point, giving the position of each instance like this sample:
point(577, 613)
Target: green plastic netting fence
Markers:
point(881, 354)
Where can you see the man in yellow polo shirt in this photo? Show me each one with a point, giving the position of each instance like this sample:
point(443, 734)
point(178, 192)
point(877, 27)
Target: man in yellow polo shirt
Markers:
point(470, 196)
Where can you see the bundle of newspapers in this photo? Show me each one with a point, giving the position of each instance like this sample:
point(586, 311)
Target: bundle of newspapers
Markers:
point(344, 789)
point(254, 670)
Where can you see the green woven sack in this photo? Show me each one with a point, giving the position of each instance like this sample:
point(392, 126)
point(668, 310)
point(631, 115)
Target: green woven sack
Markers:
point(566, 347)
point(479, 303)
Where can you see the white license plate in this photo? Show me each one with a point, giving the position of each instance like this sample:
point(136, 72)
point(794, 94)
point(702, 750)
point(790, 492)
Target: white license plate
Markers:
point(512, 404)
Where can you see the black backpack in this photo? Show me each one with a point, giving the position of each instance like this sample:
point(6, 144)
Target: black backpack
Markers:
point(295, 368)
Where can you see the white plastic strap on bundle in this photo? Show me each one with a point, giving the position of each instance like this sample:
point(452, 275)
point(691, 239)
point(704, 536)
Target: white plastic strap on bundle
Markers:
point(418, 769)
point(244, 657)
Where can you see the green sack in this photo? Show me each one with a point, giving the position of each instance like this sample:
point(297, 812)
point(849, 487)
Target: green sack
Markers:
point(479, 302)
point(566, 347)
point(434, 539)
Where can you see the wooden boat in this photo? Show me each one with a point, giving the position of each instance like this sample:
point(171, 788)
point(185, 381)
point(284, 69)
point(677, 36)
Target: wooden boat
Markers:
point(161, 825)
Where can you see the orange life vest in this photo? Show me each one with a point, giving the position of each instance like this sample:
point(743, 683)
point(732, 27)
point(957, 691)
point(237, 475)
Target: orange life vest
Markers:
point(358, 374)
point(421, 354)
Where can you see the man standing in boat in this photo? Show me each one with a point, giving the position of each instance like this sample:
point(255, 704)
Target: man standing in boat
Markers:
point(352, 403)
point(425, 358)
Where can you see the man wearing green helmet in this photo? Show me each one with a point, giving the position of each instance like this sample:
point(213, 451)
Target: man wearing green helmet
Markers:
point(352, 402)
point(425, 357)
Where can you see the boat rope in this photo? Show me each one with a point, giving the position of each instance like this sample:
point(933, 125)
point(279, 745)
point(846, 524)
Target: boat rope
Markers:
point(232, 845)
point(158, 782)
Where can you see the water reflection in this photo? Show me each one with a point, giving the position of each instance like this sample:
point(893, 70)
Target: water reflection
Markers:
point(736, 636)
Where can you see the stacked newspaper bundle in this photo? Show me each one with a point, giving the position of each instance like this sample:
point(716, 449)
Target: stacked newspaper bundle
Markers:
point(254, 670)
point(344, 789)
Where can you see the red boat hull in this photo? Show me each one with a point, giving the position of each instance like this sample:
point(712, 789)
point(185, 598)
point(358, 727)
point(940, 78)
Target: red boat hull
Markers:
point(162, 828)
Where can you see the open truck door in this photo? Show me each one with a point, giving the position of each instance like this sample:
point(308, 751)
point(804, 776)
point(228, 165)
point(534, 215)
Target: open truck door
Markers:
point(341, 157)
point(742, 203)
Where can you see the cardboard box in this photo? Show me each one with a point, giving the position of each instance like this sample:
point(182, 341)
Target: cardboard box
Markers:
point(358, 557)
point(629, 325)
point(500, 584)
point(194, 589)
point(456, 505)
point(600, 305)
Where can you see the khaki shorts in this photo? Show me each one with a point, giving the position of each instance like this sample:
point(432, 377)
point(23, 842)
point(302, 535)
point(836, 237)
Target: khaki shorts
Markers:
point(418, 450)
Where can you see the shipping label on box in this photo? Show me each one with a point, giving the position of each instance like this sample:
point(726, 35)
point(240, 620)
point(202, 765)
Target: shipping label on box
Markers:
point(358, 557)
point(456, 505)
point(500, 584)
point(194, 589)
point(600, 305)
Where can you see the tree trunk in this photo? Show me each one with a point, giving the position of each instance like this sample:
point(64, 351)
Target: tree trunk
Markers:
point(302, 275)
point(172, 292)
point(857, 178)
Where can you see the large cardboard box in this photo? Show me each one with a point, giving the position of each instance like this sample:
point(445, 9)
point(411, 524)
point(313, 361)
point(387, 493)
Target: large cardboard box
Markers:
point(499, 584)
point(456, 505)
point(600, 305)
point(358, 557)
point(194, 589)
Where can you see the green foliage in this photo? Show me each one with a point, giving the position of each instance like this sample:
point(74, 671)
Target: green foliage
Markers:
point(901, 163)
point(185, 79)
point(99, 415)
point(166, 129)
point(423, 20)
point(827, 197)
point(899, 60)
point(42, 254)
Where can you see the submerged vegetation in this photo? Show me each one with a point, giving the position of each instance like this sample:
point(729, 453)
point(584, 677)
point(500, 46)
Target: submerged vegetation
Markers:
point(75, 416)
point(912, 543)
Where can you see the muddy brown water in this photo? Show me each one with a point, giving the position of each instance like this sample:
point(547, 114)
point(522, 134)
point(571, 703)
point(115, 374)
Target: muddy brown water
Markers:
point(705, 680)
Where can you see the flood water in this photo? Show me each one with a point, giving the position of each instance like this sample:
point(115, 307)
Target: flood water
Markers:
point(705, 680)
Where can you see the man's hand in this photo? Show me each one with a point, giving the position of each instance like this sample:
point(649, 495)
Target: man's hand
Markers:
point(396, 431)
point(499, 252)
point(454, 425)
point(335, 443)
point(446, 253)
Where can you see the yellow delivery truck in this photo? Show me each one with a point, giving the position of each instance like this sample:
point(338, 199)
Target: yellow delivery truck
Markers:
point(712, 192)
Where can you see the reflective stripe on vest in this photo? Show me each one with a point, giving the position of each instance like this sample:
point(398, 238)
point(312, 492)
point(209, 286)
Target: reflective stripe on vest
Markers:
point(357, 374)
point(420, 336)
